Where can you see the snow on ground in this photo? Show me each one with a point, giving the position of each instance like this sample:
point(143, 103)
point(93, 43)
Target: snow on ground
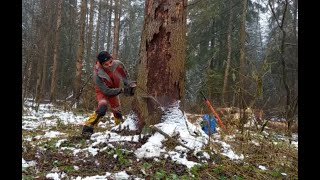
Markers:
point(26, 164)
point(47, 116)
point(129, 123)
point(174, 123)
point(227, 151)
point(262, 167)
point(122, 175)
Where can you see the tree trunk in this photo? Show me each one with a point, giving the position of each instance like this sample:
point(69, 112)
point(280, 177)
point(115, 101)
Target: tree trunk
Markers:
point(88, 57)
point(56, 55)
point(26, 77)
point(295, 11)
point(221, 48)
point(161, 68)
point(44, 71)
point(43, 88)
point(98, 28)
point(242, 64)
point(109, 28)
point(104, 25)
point(116, 29)
point(80, 49)
point(73, 33)
point(289, 105)
point(44, 35)
point(213, 43)
point(284, 73)
point(129, 36)
point(226, 72)
point(39, 76)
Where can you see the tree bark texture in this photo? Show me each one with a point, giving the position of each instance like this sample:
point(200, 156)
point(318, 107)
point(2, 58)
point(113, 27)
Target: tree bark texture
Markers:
point(89, 62)
point(80, 49)
point(161, 68)
point(226, 72)
point(109, 28)
point(116, 29)
point(242, 63)
point(44, 36)
point(97, 49)
point(56, 55)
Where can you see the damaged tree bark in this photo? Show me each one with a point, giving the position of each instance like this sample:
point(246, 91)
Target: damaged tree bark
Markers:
point(161, 67)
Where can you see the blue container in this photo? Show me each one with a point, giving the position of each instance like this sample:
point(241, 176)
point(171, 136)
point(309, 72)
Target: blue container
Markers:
point(205, 124)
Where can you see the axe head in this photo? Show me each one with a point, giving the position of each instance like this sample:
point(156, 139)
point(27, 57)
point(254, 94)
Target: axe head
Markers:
point(133, 84)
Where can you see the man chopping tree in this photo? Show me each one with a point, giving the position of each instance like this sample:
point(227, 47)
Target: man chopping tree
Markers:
point(107, 75)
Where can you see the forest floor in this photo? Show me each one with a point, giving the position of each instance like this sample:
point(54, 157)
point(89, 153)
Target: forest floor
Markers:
point(54, 149)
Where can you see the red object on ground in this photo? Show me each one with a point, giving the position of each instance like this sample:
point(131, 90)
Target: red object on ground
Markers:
point(213, 111)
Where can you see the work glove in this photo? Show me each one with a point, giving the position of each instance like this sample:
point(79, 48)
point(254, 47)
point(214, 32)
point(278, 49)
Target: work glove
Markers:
point(127, 90)
point(130, 89)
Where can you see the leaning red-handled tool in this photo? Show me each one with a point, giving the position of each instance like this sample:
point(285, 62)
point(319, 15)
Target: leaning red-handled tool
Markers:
point(213, 111)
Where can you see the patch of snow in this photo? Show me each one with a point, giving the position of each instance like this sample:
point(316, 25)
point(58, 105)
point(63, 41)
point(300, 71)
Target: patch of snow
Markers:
point(281, 137)
point(56, 175)
point(262, 167)
point(47, 115)
point(129, 123)
point(121, 175)
point(206, 155)
point(181, 160)
point(265, 133)
point(227, 151)
point(52, 134)
point(34, 119)
point(174, 122)
point(26, 164)
point(295, 144)
point(97, 162)
point(107, 136)
point(181, 149)
point(29, 125)
point(250, 123)
point(152, 148)
point(256, 143)
point(93, 151)
point(60, 141)
point(27, 138)
point(97, 177)
point(75, 151)
point(30, 117)
point(294, 136)
point(230, 137)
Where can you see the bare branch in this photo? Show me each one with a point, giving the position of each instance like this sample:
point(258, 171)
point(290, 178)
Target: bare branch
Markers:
point(291, 44)
point(192, 3)
point(284, 14)
point(274, 14)
point(167, 136)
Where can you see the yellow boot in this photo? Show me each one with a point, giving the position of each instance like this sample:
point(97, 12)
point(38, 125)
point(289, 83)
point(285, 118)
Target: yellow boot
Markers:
point(92, 118)
point(117, 120)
